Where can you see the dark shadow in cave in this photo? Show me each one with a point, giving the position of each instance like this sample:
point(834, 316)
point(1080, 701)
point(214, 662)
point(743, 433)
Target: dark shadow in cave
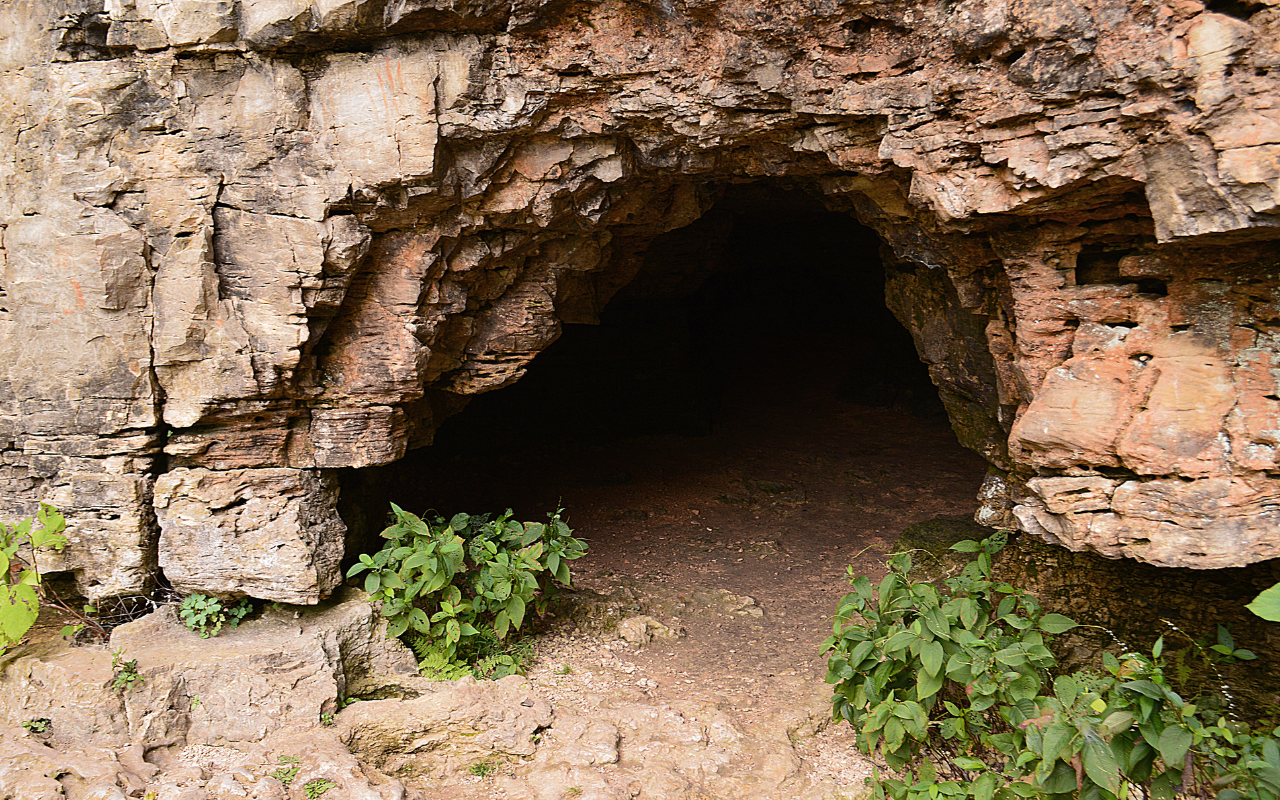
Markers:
point(741, 332)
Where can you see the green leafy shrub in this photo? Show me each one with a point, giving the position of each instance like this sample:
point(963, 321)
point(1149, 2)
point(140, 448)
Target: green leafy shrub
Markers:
point(483, 656)
point(434, 661)
point(958, 682)
point(20, 586)
point(507, 661)
point(206, 615)
point(459, 582)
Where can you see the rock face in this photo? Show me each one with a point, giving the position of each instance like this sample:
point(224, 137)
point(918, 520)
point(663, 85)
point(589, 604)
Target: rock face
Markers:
point(271, 532)
point(210, 718)
point(247, 241)
point(261, 711)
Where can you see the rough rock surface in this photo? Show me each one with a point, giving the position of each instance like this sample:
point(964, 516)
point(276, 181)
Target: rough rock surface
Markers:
point(230, 688)
point(272, 533)
point(249, 236)
point(445, 731)
point(211, 716)
point(255, 713)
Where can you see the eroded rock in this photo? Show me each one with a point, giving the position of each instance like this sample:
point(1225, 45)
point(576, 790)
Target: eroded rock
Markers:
point(276, 236)
point(269, 533)
point(273, 672)
point(448, 729)
point(640, 630)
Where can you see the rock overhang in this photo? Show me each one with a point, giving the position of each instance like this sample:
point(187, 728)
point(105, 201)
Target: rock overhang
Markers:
point(247, 242)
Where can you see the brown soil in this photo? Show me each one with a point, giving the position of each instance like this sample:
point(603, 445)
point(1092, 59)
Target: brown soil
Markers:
point(774, 505)
point(790, 489)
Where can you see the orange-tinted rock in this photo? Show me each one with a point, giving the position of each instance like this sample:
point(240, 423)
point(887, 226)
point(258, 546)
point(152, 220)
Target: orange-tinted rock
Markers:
point(293, 236)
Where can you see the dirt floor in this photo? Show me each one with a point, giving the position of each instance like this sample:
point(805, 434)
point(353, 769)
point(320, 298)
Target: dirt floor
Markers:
point(791, 488)
point(689, 667)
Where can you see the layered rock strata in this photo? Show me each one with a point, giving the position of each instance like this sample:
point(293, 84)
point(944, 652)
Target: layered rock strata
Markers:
point(243, 242)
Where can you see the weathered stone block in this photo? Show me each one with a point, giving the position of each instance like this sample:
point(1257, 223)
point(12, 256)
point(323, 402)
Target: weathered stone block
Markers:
point(188, 22)
point(375, 116)
point(274, 534)
point(358, 437)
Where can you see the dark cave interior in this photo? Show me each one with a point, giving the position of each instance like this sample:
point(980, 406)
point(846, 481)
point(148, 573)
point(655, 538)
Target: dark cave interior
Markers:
point(768, 302)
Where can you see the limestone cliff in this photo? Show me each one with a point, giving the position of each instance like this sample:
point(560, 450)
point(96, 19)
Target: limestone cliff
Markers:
point(243, 242)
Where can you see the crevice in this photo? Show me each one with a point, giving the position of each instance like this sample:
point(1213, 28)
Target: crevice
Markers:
point(1240, 9)
point(1153, 286)
point(1012, 56)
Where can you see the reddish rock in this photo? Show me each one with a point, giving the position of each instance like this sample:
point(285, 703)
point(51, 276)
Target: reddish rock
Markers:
point(278, 236)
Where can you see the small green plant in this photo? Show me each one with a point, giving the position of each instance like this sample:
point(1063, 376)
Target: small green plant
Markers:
point(196, 702)
point(20, 584)
point(483, 656)
point(460, 582)
point(564, 669)
point(288, 770)
point(483, 769)
point(327, 720)
point(125, 675)
point(497, 667)
point(956, 690)
point(38, 725)
point(493, 659)
point(1193, 668)
point(434, 662)
point(206, 615)
point(317, 787)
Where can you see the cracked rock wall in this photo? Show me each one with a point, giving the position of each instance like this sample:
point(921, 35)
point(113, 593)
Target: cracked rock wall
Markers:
point(244, 242)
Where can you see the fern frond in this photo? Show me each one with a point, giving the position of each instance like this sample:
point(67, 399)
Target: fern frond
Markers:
point(434, 662)
point(422, 646)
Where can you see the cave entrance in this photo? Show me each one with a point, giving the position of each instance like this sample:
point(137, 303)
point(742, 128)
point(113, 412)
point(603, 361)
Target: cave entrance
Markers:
point(748, 414)
point(747, 419)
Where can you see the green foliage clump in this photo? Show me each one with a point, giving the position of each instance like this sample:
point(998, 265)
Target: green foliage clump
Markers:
point(206, 615)
point(959, 682)
point(288, 770)
point(457, 587)
point(20, 586)
point(316, 788)
point(483, 769)
point(433, 659)
point(124, 674)
point(483, 656)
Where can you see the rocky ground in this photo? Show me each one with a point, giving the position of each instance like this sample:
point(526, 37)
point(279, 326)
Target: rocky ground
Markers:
point(688, 664)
